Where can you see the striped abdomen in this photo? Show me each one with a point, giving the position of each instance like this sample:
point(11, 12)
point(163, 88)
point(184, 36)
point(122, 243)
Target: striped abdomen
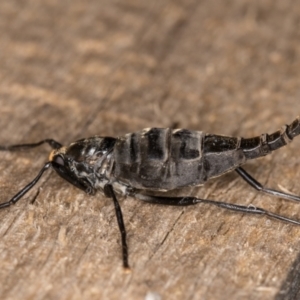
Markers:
point(165, 159)
point(159, 158)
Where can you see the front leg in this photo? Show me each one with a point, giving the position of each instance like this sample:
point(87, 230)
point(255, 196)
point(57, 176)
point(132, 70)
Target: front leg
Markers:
point(109, 192)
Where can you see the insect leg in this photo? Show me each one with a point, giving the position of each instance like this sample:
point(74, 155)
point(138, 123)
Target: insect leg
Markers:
point(174, 201)
point(250, 210)
point(109, 192)
point(184, 201)
point(258, 186)
point(21, 193)
point(53, 144)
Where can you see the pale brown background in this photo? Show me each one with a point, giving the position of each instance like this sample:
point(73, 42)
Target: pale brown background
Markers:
point(72, 69)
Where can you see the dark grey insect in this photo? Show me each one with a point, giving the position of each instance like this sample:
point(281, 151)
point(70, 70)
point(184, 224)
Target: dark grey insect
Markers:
point(158, 159)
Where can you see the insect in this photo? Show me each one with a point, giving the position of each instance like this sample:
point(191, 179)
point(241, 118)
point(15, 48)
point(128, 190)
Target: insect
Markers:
point(159, 159)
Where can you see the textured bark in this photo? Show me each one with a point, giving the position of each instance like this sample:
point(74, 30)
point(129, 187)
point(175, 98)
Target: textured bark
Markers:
point(72, 69)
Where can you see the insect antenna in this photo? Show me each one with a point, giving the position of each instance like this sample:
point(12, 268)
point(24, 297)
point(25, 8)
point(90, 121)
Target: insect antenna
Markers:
point(53, 144)
point(29, 186)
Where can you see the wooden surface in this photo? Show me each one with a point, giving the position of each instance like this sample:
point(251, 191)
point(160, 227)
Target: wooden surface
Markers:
point(72, 69)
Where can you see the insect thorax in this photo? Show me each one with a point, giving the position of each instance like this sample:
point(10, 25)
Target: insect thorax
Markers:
point(91, 159)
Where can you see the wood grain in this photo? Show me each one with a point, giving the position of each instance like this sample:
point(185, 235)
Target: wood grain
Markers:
point(72, 69)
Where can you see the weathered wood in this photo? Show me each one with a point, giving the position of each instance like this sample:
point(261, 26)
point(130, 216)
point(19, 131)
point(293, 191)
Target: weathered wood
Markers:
point(75, 69)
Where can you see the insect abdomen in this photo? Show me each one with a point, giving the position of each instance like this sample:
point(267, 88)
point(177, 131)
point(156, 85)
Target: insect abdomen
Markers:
point(221, 154)
point(159, 159)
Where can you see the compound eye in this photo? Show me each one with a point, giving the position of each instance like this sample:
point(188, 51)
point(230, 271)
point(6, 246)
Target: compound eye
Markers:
point(59, 160)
